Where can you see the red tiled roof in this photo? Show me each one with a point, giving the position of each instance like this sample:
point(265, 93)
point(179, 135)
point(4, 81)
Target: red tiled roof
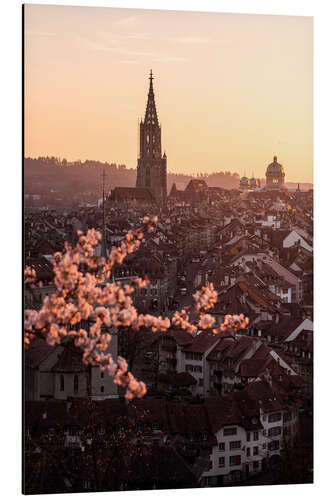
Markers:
point(221, 412)
point(37, 352)
point(70, 360)
point(137, 193)
point(201, 343)
point(262, 391)
point(253, 367)
point(181, 337)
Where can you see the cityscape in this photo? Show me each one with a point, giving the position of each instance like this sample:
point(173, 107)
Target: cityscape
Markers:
point(168, 322)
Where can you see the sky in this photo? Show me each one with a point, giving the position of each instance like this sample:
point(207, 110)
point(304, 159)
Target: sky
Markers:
point(231, 90)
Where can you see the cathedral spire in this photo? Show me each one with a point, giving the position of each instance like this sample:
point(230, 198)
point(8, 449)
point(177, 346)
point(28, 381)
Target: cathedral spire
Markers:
point(151, 113)
point(152, 167)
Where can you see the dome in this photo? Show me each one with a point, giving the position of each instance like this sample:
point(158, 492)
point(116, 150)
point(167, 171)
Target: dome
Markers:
point(275, 167)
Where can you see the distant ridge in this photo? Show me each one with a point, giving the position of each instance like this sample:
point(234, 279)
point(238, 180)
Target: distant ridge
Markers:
point(45, 173)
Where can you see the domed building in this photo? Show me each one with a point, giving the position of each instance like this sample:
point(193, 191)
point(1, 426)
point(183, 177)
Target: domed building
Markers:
point(275, 175)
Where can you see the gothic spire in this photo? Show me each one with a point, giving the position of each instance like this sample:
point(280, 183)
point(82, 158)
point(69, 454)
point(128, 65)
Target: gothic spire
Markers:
point(151, 114)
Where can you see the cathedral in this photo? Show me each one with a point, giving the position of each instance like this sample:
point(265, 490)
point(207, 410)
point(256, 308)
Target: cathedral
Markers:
point(151, 179)
point(152, 166)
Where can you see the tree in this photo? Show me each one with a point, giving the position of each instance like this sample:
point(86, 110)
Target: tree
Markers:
point(85, 290)
point(80, 448)
point(132, 343)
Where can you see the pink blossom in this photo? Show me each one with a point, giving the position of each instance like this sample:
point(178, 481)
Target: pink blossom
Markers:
point(88, 295)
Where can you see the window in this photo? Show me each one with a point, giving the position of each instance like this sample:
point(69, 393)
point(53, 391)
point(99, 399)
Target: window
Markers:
point(248, 452)
point(102, 388)
point(274, 431)
point(198, 369)
point(204, 436)
point(256, 464)
point(274, 417)
point(62, 383)
point(76, 384)
point(155, 426)
point(201, 382)
point(221, 461)
point(287, 416)
point(189, 368)
point(221, 446)
point(70, 430)
point(235, 460)
point(100, 429)
point(255, 436)
point(236, 475)
point(248, 436)
point(230, 431)
point(188, 355)
point(255, 450)
point(274, 445)
point(235, 445)
point(86, 484)
point(102, 374)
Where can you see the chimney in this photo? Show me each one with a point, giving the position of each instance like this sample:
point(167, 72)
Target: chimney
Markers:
point(267, 377)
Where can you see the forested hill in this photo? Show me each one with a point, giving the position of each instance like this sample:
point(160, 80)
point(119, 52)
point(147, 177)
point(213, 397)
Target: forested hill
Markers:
point(43, 174)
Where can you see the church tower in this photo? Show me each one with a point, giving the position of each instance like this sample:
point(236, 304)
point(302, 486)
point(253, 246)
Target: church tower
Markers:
point(152, 166)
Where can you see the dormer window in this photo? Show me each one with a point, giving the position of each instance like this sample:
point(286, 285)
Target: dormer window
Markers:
point(100, 429)
point(155, 426)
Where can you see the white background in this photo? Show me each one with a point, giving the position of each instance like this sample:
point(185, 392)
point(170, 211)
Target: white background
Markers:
point(11, 241)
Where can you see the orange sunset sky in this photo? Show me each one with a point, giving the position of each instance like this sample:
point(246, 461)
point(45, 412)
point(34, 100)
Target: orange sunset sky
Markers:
point(231, 90)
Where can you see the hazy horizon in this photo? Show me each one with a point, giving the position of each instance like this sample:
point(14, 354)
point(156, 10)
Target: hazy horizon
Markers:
point(231, 90)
